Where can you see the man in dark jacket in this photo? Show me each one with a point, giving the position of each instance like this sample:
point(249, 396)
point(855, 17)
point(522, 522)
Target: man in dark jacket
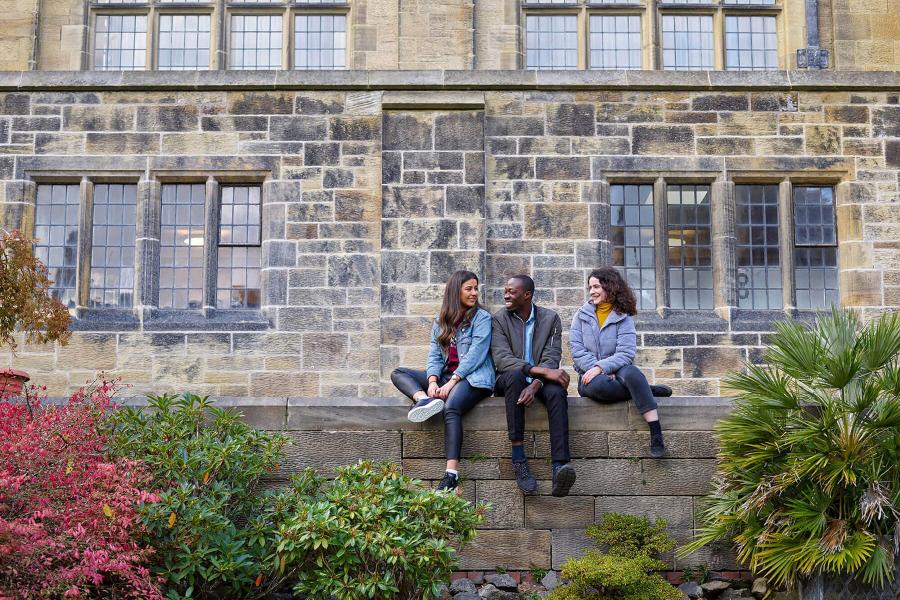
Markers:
point(526, 345)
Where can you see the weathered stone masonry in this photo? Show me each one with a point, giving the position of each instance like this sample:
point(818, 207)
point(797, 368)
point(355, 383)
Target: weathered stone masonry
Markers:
point(376, 185)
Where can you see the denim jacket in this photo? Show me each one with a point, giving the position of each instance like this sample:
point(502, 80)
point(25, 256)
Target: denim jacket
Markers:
point(473, 344)
point(609, 347)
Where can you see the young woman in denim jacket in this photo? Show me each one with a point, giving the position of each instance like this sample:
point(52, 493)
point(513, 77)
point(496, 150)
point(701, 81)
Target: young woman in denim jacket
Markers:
point(603, 341)
point(460, 372)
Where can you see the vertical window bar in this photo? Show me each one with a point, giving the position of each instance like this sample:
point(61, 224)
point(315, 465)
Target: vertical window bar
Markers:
point(56, 237)
point(815, 251)
point(255, 42)
point(320, 42)
point(181, 246)
point(184, 42)
point(551, 42)
point(758, 257)
point(690, 246)
point(632, 231)
point(112, 248)
point(615, 41)
point(687, 42)
point(120, 42)
point(239, 248)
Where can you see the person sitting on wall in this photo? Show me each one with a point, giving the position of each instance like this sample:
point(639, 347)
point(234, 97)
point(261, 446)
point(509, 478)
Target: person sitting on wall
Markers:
point(527, 347)
point(603, 341)
point(459, 373)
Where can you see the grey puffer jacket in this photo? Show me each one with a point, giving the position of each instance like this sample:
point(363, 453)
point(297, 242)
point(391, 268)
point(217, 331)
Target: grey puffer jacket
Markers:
point(610, 347)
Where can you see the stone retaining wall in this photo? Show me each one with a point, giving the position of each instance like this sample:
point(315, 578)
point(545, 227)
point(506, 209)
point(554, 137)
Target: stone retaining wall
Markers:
point(609, 446)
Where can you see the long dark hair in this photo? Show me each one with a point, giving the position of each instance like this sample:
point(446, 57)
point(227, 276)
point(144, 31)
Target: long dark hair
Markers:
point(618, 292)
point(453, 314)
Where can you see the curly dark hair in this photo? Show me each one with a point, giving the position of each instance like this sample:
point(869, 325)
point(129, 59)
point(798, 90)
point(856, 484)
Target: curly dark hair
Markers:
point(618, 292)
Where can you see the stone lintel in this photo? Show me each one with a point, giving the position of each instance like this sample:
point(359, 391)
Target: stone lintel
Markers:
point(428, 100)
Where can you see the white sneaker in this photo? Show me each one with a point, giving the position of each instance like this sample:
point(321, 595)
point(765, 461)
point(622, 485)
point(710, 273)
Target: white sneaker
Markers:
point(424, 409)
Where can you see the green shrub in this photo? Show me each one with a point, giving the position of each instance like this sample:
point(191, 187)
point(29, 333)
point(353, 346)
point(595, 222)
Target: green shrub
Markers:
point(372, 533)
point(809, 463)
point(625, 571)
point(212, 528)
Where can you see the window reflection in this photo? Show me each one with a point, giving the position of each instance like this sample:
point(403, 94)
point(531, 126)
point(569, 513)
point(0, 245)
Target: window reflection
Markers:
point(56, 237)
point(632, 239)
point(815, 252)
point(758, 257)
point(690, 247)
point(238, 283)
point(181, 246)
point(112, 245)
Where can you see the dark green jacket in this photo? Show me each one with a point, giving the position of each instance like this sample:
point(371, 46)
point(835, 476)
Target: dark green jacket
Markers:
point(508, 340)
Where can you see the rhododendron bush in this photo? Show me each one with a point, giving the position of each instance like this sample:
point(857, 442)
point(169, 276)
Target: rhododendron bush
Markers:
point(68, 512)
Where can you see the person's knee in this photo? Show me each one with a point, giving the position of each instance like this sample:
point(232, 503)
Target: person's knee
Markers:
point(397, 374)
point(631, 373)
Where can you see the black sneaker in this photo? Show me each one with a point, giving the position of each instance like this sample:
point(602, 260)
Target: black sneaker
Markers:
point(661, 391)
point(524, 478)
point(657, 446)
point(424, 409)
point(563, 479)
point(449, 482)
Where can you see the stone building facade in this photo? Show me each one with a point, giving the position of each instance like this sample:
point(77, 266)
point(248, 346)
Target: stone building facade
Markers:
point(279, 239)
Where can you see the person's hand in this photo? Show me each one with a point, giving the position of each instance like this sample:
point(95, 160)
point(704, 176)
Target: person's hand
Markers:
point(589, 376)
point(433, 389)
point(526, 398)
point(559, 376)
point(444, 391)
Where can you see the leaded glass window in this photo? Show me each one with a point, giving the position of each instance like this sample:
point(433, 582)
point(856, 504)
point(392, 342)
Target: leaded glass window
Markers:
point(320, 42)
point(758, 257)
point(120, 42)
point(112, 245)
point(615, 41)
point(690, 246)
point(56, 237)
point(239, 248)
point(632, 239)
point(181, 246)
point(751, 43)
point(184, 42)
point(551, 42)
point(815, 248)
point(687, 42)
point(255, 42)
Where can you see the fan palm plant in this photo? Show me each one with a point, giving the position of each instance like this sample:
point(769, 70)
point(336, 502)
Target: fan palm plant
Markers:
point(808, 481)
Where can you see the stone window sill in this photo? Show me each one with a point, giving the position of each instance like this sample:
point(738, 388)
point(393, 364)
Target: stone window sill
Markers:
point(765, 320)
point(170, 320)
point(677, 321)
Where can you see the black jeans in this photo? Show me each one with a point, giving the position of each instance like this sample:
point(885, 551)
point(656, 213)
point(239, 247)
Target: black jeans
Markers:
point(555, 399)
point(629, 383)
point(463, 398)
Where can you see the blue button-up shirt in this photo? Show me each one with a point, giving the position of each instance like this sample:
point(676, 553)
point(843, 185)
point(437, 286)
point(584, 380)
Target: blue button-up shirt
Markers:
point(529, 335)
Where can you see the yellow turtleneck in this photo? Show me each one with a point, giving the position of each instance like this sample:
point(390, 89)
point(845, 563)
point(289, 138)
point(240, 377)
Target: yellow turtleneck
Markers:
point(603, 309)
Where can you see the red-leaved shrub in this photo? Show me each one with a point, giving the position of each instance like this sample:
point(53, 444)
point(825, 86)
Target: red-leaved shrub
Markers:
point(68, 519)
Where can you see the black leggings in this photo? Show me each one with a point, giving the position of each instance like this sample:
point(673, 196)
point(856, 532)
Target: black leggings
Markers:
point(463, 398)
point(629, 383)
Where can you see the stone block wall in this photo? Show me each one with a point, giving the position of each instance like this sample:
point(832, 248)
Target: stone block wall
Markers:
point(609, 449)
point(371, 197)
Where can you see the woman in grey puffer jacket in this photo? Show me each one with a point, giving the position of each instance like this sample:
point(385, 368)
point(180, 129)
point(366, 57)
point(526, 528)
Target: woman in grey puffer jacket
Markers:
point(603, 341)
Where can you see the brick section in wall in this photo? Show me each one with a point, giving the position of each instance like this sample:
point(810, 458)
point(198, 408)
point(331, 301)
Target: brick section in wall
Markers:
point(432, 222)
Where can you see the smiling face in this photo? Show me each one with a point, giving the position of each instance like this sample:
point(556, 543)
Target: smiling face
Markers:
point(468, 293)
point(596, 291)
point(514, 295)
